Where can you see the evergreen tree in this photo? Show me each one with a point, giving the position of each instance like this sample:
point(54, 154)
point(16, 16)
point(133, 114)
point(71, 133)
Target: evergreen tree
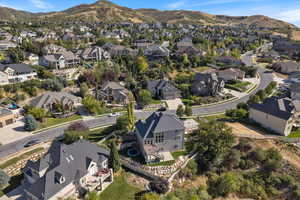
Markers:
point(30, 123)
point(131, 117)
point(114, 158)
point(180, 111)
point(188, 111)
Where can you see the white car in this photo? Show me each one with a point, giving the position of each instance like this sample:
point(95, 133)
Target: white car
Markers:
point(114, 114)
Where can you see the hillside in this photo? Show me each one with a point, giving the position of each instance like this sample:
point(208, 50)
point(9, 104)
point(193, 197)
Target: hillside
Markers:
point(105, 11)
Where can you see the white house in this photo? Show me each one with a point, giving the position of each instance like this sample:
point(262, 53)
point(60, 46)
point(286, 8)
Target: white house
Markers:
point(18, 72)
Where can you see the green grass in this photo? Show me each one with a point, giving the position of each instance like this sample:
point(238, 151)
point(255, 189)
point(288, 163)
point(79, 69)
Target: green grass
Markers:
point(21, 157)
point(177, 154)
point(56, 121)
point(120, 189)
point(295, 134)
point(216, 117)
point(165, 163)
point(243, 86)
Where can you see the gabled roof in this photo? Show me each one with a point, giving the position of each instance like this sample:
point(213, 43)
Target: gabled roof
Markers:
point(18, 68)
point(158, 123)
point(68, 161)
point(49, 97)
point(281, 108)
point(112, 85)
point(164, 85)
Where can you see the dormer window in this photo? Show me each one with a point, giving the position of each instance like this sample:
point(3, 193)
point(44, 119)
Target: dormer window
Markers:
point(59, 178)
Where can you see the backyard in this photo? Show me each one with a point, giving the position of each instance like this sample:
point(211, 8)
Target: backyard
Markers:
point(240, 86)
point(120, 189)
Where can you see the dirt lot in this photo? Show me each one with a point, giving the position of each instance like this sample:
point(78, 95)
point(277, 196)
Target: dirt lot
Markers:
point(296, 35)
point(240, 130)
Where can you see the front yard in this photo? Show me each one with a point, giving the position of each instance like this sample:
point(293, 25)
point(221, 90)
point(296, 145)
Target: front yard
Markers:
point(240, 86)
point(56, 121)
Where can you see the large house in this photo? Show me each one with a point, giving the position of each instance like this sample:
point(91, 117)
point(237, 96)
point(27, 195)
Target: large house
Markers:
point(56, 102)
point(7, 117)
point(286, 67)
point(278, 115)
point(158, 135)
point(207, 84)
point(94, 54)
point(113, 92)
point(163, 89)
point(15, 73)
point(60, 60)
point(156, 52)
point(67, 171)
point(231, 74)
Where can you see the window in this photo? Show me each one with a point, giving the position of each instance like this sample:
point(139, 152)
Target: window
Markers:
point(159, 138)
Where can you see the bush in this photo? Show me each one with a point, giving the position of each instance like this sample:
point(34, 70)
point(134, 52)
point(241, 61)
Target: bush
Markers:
point(160, 186)
point(224, 185)
point(78, 126)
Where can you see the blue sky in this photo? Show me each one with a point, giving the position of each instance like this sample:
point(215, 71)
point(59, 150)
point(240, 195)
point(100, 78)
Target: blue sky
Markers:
point(288, 10)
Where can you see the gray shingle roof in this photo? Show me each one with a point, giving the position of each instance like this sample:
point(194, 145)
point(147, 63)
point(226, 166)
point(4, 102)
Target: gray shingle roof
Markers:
point(158, 123)
point(281, 108)
point(53, 96)
point(5, 112)
point(69, 161)
point(19, 68)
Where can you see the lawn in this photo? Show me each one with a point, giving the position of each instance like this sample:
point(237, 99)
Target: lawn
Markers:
point(240, 86)
point(217, 117)
point(120, 189)
point(56, 121)
point(295, 134)
point(177, 154)
point(165, 163)
point(21, 157)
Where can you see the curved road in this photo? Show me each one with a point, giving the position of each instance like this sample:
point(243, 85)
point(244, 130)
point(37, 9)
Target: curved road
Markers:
point(48, 135)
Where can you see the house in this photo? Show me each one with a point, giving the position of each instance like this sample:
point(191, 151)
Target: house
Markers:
point(278, 115)
point(5, 44)
point(52, 49)
point(190, 51)
point(17, 73)
point(142, 44)
point(33, 59)
point(60, 60)
point(56, 102)
point(207, 84)
point(67, 171)
point(286, 67)
point(114, 93)
point(231, 74)
point(156, 52)
point(94, 54)
point(228, 61)
point(3, 78)
point(185, 42)
point(163, 89)
point(7, 117)
point(158, 135)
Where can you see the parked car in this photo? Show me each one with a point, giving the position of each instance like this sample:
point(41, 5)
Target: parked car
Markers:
point(114, 114)
point(32, 143)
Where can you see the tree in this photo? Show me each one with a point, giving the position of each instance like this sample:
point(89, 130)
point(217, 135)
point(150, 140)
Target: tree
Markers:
point(38, 113)
point(150, 196)
point(131, 116)
point(188, 111)
point(78, 126)
point(4, 179)
point(92, 196)
point(114, 158)
point(160, 186)
point(122, 123)
point(261, 94)
point(71, 136)
point(212, 140)
point(144, 97)
point(84, 89)
point(142, 64)
point(180, 111)
point(254, 99)
point(30, 123)
point(93, 105)
point(225, 184)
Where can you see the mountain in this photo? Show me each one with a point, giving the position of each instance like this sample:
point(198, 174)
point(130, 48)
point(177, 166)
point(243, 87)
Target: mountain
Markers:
point(105, 11)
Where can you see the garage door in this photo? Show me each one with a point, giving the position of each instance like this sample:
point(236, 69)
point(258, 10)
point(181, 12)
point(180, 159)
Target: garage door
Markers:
point(9, 121)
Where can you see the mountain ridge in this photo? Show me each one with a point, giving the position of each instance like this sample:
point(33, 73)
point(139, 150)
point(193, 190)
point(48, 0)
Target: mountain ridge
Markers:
point(106, 11)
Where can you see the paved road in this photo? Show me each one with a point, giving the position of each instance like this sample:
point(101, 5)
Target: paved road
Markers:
point(48, 135)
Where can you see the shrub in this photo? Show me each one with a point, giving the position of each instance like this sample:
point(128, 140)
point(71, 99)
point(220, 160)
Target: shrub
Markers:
point(78, 126)
point(30, 123)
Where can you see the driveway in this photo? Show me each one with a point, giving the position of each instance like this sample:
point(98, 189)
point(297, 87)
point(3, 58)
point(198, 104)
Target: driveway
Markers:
point(174, 103)
point(13, 132)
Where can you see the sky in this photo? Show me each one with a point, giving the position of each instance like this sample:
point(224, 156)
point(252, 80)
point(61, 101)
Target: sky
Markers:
point(287, 10)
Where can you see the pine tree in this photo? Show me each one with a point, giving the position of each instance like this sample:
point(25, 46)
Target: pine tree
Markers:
point(188, 111)
point(180, 111)
point(30, 123)
point(114, 158)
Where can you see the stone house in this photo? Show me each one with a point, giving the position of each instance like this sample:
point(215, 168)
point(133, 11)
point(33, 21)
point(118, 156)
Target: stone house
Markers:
point(286, 67)
point(207, 84)
point(231, 74)
point(114, 93)
point(94, 54)
point(7, 117)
